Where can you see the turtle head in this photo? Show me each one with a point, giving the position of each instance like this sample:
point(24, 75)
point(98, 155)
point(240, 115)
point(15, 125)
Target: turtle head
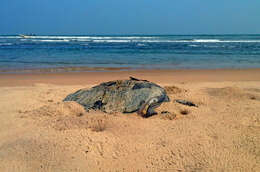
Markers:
point(148, 108)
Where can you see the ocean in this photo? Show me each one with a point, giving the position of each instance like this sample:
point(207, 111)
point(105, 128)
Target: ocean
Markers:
point(130, 51)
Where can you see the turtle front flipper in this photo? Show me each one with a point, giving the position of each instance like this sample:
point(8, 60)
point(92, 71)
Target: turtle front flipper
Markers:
point(148, 109)
point(143, 109)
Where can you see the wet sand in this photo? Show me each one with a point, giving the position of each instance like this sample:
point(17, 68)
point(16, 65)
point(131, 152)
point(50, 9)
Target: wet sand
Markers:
point(39, 132)
point(159, 76)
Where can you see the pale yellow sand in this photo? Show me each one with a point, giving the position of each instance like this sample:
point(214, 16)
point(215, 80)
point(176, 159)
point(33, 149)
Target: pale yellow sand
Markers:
point(38, 132)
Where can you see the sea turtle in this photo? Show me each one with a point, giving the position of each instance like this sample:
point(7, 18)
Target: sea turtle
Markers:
point(125, 96)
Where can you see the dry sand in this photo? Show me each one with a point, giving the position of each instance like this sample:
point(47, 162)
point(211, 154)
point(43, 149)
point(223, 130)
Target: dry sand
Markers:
point(38, 132)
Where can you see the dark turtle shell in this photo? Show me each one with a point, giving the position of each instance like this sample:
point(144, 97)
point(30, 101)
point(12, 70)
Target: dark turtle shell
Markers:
point(121, 96)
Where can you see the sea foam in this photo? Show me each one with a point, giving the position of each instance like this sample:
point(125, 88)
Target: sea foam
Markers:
point(51, 40)
point(5, 44)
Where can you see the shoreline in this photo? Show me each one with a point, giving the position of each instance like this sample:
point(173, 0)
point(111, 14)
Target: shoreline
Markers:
point(71, 69)
point(159, 76)
point(63, 69)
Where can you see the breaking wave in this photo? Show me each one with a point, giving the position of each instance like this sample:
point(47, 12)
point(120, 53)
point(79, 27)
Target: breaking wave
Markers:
point(126, 39)
point(5, 44)
point(51, 40)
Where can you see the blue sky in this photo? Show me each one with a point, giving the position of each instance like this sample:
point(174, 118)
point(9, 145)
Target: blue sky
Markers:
point(129, 16)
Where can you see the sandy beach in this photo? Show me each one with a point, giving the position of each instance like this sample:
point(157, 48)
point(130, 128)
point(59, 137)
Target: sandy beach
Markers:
point(39, 132)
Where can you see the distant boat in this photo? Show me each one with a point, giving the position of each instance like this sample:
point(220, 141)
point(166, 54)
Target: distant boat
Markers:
point(27, 36)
